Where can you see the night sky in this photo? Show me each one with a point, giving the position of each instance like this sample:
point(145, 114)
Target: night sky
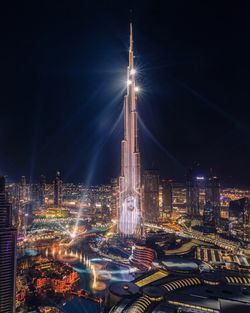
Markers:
point(63, 78)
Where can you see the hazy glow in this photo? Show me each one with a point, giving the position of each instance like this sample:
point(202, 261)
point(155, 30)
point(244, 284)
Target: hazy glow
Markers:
point(99, 144)
point(129, 82)
point(133, 71)
point(137, 89)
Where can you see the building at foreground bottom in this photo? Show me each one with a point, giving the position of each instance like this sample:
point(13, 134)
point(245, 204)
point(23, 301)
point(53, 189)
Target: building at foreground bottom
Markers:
point(161, 291)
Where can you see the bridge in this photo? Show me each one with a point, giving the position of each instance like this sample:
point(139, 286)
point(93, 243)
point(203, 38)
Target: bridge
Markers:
point(69, 241)
point(81, 293)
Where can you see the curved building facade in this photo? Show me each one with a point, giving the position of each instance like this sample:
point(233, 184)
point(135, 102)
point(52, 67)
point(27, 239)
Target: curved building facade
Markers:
point(7, 254)
point(142, 257)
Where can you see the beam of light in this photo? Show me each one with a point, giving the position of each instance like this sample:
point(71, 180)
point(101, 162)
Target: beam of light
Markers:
point(94, 160)
point(36, 126)
point(99, 139)
point(59, 132)
point(152, 137)
point(215, 107)
point(64, 229)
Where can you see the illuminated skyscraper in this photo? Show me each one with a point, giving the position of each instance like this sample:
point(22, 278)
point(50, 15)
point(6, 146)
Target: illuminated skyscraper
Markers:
point(192, 195)
point(7, 253)
point(23, 189)
point(130, 217)
point(42, 183)
point(114, 205)
point(239, 218)
point(211, 215)
point(58, 191)
point(151, 196)
point(23, 198)
point(196, 190)
point(167, 196)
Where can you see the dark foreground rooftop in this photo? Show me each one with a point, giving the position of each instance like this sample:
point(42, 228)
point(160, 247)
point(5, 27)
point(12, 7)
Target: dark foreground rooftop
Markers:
point(163, 291)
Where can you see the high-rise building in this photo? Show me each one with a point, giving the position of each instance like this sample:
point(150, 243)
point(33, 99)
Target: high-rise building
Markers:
point(34, 195)
point(23, 198)
point(114, 201)
point(192, 194)
point(203, 197)
point(130, 217)
point(7, 253)
point(239, 218)
point(211, 214)
point(58, 191)
point(246, 221)
point(13, 192)
point(42, 183)
point(23, 189)
point(167, 195)
point(151, 196)
point(179, 196)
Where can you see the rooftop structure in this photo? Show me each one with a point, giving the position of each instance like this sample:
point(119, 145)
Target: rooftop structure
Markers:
point(163, 291)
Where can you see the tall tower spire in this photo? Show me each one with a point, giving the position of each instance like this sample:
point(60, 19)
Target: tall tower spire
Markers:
point(131, 38)
point(131, 51)
point(129, 223)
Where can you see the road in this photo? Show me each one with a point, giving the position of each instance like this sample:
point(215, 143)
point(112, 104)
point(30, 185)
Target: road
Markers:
point(186, 247)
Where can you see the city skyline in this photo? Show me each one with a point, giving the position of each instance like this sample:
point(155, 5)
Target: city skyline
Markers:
point(56, 73)
point(159, 221)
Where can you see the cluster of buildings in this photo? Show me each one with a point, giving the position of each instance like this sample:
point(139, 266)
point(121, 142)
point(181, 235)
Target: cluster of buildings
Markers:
point(239, 218)
point(56, 200)
point(55, 276)
point(200, 197)
point(223, 259)
point(21, 291)
point(132, 200)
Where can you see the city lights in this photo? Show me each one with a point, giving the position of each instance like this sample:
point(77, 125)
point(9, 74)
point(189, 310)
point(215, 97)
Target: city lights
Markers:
point(147, 240)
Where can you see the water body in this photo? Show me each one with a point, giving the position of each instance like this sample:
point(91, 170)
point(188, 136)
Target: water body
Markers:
point(95, 274)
